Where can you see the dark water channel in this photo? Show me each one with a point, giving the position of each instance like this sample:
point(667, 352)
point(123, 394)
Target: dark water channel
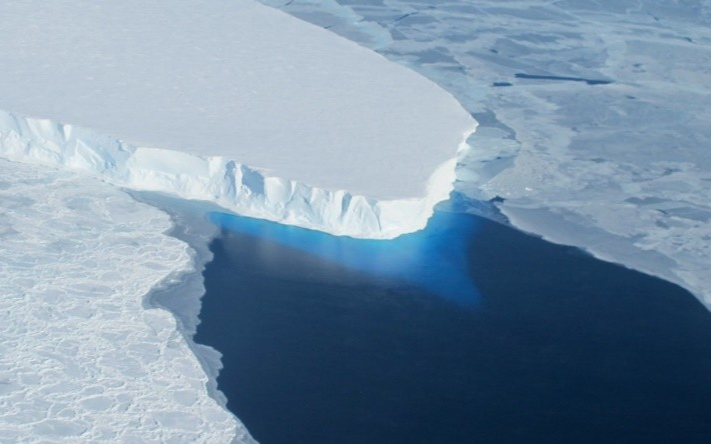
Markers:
point(468, 332)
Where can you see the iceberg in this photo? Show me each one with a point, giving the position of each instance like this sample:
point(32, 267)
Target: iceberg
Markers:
point(239, 104)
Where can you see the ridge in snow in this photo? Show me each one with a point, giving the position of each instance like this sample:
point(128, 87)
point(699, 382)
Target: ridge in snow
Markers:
point(240, 104)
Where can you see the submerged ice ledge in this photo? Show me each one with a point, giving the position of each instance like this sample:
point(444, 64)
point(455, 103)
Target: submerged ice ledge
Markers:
point(239, 188)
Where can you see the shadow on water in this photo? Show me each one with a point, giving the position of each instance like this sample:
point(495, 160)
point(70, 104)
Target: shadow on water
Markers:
point(342, 341)
point(432, 259)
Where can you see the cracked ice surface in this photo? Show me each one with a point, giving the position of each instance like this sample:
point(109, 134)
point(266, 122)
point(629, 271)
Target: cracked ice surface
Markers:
point(81, 357)
point(621, 169)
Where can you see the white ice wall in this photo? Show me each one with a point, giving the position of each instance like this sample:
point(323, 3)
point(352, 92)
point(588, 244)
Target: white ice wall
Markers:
point(276, 118)
point(245, 190)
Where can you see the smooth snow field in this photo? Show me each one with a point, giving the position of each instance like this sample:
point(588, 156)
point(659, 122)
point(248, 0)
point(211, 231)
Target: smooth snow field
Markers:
point(594, 116)
point(232, 102)
point(82, 358)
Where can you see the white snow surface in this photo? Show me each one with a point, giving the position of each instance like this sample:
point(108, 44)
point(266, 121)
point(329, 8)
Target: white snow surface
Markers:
point(232, 102)
point(82, 359)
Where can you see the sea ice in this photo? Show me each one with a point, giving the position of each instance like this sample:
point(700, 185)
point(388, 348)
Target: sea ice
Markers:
point(594, 116)
point(82, 358)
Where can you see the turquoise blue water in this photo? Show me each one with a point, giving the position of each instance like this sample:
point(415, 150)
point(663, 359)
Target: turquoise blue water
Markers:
point(433, 260)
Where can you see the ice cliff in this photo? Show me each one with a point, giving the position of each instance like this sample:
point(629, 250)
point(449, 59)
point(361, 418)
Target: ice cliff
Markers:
point(241, 105)
point(234, 186)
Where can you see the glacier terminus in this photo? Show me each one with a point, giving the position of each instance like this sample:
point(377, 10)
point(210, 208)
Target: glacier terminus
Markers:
point(241, 105)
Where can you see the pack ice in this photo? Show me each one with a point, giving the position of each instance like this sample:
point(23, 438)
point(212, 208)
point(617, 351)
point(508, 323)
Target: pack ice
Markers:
point(231, 102)
point(82, 358)
point(594, 116)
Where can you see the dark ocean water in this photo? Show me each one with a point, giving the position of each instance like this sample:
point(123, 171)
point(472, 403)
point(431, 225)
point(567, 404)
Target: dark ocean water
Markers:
point(468, 332)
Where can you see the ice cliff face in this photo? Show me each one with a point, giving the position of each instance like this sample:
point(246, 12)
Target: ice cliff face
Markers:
point(247, 191)
point(253, 109)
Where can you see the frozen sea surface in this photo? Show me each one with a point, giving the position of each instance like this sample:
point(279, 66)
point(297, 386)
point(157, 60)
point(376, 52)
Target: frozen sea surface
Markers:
point(594, 116)
point(82, 357)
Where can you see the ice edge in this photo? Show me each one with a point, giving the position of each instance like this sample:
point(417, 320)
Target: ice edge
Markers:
point(187, 284)
point(236, 187)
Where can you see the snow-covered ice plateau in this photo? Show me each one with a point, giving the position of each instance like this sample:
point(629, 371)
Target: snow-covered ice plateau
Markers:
point(231, 102)
point(82, 358)
point(594, 116)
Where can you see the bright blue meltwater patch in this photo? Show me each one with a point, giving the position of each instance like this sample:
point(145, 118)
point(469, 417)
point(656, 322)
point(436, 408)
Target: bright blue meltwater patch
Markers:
point(433, 259)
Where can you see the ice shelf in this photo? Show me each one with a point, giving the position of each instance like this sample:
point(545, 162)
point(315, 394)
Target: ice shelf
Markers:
point(232, 102)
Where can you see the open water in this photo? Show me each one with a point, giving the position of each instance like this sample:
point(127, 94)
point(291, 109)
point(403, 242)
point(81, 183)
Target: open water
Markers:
point(467, 332)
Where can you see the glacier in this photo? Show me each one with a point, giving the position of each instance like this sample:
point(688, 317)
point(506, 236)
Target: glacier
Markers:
point(217, 106)
point(241, 105)
point(593, 116)
point(233, 186)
